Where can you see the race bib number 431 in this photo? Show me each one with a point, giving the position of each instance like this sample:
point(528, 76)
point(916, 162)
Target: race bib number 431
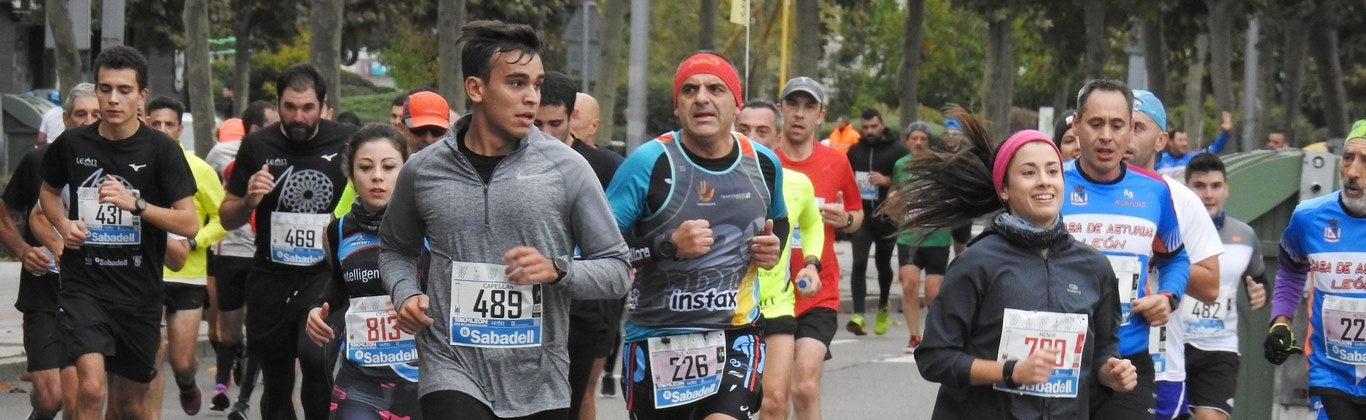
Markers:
point(489, 311)
point(686, 368)
point(1024, 332)
point(372, 334)
point(108, 224)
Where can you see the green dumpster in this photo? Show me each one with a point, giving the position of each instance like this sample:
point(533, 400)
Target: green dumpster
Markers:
point(23, 115)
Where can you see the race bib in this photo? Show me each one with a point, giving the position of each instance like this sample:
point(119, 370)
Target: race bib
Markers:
point(488, 311)
point(796, 241)
point(108, 224)
point(1157, 347)
point(1202, 320)
point(1127, 269)
point(1023, 332)
point(686, 367)
point(1344, 319)
point(866, 189)
point(297, 238)
point(372, 335)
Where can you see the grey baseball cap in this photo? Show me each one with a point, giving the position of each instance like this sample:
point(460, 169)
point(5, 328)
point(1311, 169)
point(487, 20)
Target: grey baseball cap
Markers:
point(804, 84)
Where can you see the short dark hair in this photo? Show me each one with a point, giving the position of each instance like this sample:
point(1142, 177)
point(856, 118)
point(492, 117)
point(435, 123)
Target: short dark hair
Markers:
point(763, 104)
point(300, 77)
point(368, 133)
point(1205, 162)
point(870, 113)
point(482, 40)
point(559, 89)
point(349, 118)
point(399, 100)
point(122, 57)
point(1111, 85)
point(255, 114)
point(167, 102)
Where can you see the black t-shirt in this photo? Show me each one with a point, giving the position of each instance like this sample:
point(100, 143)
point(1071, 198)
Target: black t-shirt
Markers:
point(122, 257)
point(484, 165)
point(308, 185)
point(36, 293)
point(604, 163)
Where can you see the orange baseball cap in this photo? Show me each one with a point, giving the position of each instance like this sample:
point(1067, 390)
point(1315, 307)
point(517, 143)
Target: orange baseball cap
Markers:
point(426, 109)
point(231, 130)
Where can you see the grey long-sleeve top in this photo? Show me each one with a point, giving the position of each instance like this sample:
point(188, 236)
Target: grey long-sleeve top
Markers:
point(542, 195)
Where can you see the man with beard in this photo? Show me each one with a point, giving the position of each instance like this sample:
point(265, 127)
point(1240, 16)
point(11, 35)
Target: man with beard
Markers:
point(1323, 241)
point(291, 176)
point(873, 159)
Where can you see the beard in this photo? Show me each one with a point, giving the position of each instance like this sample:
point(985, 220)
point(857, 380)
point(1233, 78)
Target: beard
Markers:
point(1353, 205)
point(299, 133)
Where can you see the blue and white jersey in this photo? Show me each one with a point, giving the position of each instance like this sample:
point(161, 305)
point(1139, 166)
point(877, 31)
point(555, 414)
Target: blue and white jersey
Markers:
point(1130, 219)
point(1323, 242)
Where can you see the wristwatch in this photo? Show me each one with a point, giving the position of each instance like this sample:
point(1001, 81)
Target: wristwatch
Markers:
point(561, 268)
point(139, 206)
point(1008, 370)
point(1173, 301)
point(193, 245)
point(849, 222)
point(814, 262)
point(667, 249)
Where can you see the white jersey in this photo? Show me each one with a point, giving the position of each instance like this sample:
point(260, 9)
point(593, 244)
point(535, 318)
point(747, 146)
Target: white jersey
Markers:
point(1201, 240)
point(1214, 327)
point(52, 123)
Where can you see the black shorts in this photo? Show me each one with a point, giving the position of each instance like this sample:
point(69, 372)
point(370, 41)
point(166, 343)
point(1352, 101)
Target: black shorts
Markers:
point(127, 336)
point(184, 297)
point(817, 323)
point(230, 278)
point(279, 305)
point(1211, 379)
point(43, 345)
point(786, 324)
point(934, 259)
point(739, 394)
point(1137, 404)
point(962, 234)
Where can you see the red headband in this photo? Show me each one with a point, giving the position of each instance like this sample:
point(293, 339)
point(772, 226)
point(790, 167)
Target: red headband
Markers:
point(708, 63)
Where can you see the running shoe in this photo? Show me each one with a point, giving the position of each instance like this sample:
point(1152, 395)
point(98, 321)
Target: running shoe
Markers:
point(855, 325)
point(910, 347)
point(190, 400)
point(609, 386)
point(220, 399)
point(239, 411)
point(880, 324)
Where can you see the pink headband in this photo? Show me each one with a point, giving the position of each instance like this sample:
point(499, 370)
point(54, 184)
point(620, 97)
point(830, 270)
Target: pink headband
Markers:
point(1007, 152)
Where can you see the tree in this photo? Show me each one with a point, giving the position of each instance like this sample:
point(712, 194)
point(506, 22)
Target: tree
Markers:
point(612, 38)
point(706, 25)
point(68, 57)
point(197, 78)
point(1096, 54)
point(998, 84)
point(1220, 17)
point(1323, 33)
point(451, 17)
point(907, 77)
point(325, 21)
point(1155, 55)
point(807, 48)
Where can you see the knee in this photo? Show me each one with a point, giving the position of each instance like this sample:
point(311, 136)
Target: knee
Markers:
point(775, 399)
point(90, 390)
point(47, 398)
point(806, 391)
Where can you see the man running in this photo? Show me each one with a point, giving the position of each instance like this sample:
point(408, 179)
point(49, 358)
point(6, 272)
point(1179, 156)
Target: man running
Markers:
point(873, 159)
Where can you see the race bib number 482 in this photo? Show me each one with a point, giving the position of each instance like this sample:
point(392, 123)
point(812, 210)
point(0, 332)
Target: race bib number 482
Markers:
point(1024, 332)
point(489, 311)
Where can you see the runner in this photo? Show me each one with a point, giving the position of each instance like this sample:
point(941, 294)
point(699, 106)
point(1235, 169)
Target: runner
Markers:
point(502, 272)
point(873, 159)
point(692, 349)
point(916, 250)
point(128, 186)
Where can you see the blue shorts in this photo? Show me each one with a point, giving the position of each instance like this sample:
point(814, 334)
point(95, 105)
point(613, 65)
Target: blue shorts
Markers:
point(1171, 400)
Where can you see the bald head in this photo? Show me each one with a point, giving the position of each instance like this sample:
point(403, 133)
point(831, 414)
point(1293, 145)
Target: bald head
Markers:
point(586, 119)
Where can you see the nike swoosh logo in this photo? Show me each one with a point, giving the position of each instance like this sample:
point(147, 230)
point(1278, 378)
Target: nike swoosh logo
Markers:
point(524, 176)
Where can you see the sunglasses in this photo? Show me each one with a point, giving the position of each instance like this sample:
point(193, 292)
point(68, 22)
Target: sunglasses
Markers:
point(428, 131)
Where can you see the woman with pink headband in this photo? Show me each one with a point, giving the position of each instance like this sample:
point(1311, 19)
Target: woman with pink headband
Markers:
point(1025, 324)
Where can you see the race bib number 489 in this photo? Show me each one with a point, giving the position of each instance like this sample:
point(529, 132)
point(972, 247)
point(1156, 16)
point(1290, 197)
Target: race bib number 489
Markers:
point(1024, 332)
point(489, 311)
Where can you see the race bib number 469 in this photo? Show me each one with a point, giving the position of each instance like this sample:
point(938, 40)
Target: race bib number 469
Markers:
point(1024, 332)
point(489, 311)
point(297, 238)
point(107, 224)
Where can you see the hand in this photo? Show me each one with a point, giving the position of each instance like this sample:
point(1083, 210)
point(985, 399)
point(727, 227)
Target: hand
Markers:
point(112, 192)
point(833, 214)
point(765, 247)
point(36, 261)
point(1256, 293)
point(317, 327)
point(526, 265)
point(412, 316)
point(1036, 368)
point(879, 179)
point(1119, 375)
point(694, 238)
point(1226, 122)
point(1279, 344)
point(1155, 308)
point(813, 278)
point(260, 184)
point(75, 234)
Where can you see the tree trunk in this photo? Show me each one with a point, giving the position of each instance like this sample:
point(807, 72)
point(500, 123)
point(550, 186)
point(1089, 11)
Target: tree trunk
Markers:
point(1293, 53)
point(64, 42)
point(197, 76)
point(1323, 36)
point(611, 38)
point(450, 18)
point(1155, 56)
point(907, 76)
point(241, 61)
point(1096, 55)
point(1251, 118)
point(1195, 100)
point(325, 21)
point(998, 87)
point(1221, 16)
point(706, 28)
point(807, 31)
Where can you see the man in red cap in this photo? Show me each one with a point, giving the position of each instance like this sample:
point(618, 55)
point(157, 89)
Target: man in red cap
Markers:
point(699, 207)
point(427, 117)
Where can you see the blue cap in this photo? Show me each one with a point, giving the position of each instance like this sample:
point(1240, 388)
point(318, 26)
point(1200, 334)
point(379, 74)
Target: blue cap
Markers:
point(1147, 103)
point(55, 97)
point(952, 123)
